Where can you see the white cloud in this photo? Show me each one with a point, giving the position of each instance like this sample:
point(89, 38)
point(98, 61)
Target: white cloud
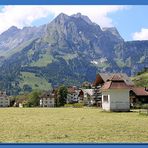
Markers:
point(21, 16)
point(98, 14)
point(142, 35)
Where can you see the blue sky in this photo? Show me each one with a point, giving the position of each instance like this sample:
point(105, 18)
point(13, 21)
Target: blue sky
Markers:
point(131, 21)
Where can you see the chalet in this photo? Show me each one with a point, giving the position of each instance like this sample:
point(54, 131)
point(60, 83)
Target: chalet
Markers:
point(72, 94)
point(115, 94)
point(4, 99)
point(138, 95)
point(86, 85)
point(47, 99)
point(101, 78)
point(80, 96)
point(88, 96)
point(20, 102)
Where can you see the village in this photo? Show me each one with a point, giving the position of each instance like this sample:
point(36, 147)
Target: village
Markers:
point(111, 92)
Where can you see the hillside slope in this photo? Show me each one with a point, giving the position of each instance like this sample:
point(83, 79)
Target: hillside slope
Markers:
point(68, 50)
point(141, 80)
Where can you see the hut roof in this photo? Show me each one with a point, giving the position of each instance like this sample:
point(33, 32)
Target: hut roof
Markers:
point(115, 82)
point(140, 91)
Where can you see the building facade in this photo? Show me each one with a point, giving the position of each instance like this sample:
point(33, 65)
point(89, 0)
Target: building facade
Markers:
point(88, 96)
point(4, 99)
point(115, 95)
point(72, 95)
point(101, 79)
point(138, 95)
point(47, 99)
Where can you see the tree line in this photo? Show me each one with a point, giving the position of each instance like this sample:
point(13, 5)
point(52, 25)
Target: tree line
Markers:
point(32, 99)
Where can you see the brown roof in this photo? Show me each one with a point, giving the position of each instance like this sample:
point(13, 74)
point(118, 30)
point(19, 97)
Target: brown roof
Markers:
point(116, 78)
point(81, 93)
point(103, 77)
point(21, 100)
point(115, 82)
point(47, 94)
point(86, 84)
point(3, 94)
point(71, 90)
point(140, 91)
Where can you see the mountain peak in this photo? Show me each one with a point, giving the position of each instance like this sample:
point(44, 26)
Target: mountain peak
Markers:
point(85, 18)
point(61, 17)
point(12, 30)
point(77, 15)
point(113, 31)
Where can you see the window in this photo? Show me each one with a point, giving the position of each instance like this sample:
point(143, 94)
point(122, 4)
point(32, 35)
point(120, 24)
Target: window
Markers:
point(105, 98)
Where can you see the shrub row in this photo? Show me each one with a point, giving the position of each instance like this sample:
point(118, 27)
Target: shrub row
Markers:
point(140, 106)
point(75, 105)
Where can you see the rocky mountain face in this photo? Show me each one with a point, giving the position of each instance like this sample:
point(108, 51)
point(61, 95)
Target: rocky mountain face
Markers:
point(68, 50)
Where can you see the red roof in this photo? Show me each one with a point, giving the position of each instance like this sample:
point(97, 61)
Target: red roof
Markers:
point(103, 77)
point(140, 91)
point(116, 77)
point(115, 82)
point(115, 85)
point(71, 90)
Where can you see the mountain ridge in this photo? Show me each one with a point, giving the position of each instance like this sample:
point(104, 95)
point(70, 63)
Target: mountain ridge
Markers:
point(68, 50)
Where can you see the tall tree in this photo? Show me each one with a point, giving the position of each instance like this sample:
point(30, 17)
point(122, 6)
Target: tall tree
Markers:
point(34, 99)
point(62, 95)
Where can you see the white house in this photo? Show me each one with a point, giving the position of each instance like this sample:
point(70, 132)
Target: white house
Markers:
point(88, 96)
point(4, 100)
point(21, 101)
point(115, 94)
point(47, 99)
point(72, 94)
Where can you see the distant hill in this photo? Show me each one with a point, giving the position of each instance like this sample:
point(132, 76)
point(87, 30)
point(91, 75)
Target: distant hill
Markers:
point(69, 50)
point(141, 79)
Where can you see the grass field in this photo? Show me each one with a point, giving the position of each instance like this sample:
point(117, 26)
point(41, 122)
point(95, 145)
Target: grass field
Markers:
point(71, 125)
point(141, 80)
point(36, 83)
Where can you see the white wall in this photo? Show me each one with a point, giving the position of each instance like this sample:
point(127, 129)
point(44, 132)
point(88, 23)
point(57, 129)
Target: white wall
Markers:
point(72, 97)
point(47, 102)
point(4, 101)
point(106, 105)
point(118, 100)
point(88, 91)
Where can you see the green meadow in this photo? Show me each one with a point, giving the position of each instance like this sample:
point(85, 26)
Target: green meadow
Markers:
point(141, 80)
point(71, 125)
point(35, 82)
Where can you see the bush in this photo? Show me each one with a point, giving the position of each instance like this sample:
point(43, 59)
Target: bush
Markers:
point(25, 104)
point(137, 106)
point(78, 105)
point(68, 105)
point(145, 106)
